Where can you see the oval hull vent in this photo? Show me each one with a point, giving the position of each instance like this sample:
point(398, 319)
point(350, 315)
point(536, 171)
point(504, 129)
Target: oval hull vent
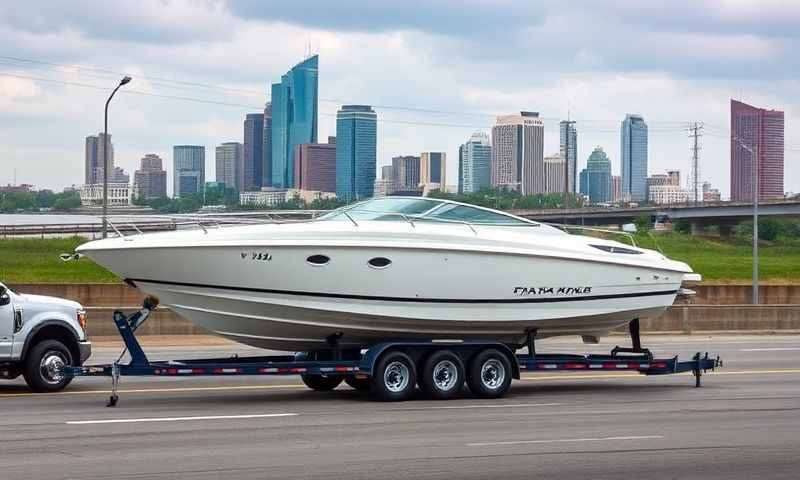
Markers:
point(318, 260)
point(379, 262)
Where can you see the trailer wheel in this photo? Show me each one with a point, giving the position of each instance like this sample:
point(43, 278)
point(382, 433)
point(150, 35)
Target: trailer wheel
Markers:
point(360, 384)
point(321, 383)
point(442, 375)
point(394, 377)
point(489, 374)
point(43, 366)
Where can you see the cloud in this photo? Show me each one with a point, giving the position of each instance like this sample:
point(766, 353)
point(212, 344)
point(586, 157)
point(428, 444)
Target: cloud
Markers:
point(671, 62)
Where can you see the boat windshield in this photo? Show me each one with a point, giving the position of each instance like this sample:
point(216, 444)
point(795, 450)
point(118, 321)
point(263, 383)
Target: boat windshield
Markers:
point(419, 209)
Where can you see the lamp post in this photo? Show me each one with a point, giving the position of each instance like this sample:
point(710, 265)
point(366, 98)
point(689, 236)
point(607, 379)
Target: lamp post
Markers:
point(126, 79)
point(754, 154)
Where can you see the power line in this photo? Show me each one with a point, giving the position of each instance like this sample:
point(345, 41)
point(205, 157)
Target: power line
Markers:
point(172, 83)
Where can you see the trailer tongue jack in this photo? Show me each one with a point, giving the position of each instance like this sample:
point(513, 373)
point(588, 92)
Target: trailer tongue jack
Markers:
point(471, 360)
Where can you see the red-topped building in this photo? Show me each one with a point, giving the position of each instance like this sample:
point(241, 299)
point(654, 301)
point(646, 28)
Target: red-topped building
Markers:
point(761, 131)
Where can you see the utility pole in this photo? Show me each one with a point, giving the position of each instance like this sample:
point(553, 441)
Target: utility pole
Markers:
point(754, 171)
point(695, 132)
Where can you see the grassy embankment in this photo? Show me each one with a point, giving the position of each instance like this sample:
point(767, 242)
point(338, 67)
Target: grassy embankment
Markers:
point(36, 260)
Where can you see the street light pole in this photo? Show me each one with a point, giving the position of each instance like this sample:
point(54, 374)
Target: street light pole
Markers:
point(754, 172)
point(106, 143)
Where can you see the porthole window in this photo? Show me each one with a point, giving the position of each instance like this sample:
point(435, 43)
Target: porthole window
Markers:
point(379, 262)
point(318, 260)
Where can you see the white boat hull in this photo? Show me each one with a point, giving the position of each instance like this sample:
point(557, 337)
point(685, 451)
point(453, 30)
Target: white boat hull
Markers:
point(269, 296)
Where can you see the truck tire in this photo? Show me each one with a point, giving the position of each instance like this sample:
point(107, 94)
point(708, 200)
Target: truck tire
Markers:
point(442, 375)
point(489, 374)
point(41, 367)
point(360, 384)
point(320, 383)
point(394, 377)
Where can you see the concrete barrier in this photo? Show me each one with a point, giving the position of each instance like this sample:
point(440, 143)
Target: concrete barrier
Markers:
point(678, 319)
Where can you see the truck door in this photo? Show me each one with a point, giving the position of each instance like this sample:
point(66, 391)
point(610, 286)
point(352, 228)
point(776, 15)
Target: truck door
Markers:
point(6, 322)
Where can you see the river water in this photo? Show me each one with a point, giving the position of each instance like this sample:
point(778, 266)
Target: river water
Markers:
point(46, 219)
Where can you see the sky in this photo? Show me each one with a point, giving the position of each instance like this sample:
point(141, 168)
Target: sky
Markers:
point(435, 72)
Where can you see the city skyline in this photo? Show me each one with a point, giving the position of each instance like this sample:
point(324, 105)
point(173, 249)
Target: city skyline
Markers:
point(593, 82)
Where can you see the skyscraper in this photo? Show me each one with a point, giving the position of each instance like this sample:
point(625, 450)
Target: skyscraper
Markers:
point(294, 118)
point(189, 172)
point(93, 163)
point(633, 154)
point(433, 170)
point(405, 172)
point(356, 152)
point(315, 167)
point(569, 151)
point(761, 131)
point(596, 177)
point(518, 153)
point(150, 181)
point(252, 153)
point(228, 163)
point(475, 164)
point(266, 149)
point(554, 174)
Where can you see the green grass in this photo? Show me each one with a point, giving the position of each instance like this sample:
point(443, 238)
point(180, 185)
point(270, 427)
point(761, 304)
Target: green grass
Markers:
point(36, 260)
point(729, 261)
point(33, 260)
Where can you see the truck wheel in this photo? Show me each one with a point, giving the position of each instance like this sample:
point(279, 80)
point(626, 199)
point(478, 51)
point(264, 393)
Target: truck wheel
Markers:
point(489, 374)
point(442, 375)
point(321, 383)
point(360, 384)
point(43, 366)
point(394, 377)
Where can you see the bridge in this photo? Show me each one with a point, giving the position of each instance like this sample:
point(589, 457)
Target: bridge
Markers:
point(699, 215)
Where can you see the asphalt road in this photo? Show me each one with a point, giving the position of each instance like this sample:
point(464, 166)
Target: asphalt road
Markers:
point(743, 423)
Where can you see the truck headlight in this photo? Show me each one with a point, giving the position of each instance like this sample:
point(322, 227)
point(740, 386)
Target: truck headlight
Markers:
point(82, 319)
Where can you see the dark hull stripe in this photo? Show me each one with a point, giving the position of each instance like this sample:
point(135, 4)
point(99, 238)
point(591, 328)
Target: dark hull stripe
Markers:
point(410, 299)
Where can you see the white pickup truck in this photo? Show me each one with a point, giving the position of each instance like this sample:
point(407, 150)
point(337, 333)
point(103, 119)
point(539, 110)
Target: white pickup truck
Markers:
point(40, 335)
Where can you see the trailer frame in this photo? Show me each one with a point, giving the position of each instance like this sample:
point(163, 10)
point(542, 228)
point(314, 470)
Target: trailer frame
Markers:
point(634, 359)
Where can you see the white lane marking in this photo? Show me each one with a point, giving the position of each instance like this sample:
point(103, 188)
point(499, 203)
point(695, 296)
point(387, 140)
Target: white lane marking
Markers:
point(178, 419)
point(566, 440)
point(772, 349)
point(512, 405)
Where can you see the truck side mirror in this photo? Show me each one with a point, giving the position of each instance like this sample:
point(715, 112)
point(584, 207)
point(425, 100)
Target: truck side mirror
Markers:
point(5, 298)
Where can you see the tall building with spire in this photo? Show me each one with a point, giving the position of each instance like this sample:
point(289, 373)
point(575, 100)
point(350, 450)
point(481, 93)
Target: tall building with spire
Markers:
point(761, 131)
point(294, 108)
point(568, 136)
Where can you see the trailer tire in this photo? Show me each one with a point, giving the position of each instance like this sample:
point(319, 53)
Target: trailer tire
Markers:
point(320, 383)
point(42, 363)
point(394, 377)
point(489, 374)
point(360, 384)
point(442, 375)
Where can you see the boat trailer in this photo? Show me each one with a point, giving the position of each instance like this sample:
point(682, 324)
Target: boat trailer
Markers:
point(635, 359)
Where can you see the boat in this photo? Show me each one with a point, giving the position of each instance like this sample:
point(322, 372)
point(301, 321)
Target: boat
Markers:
point(395, 268)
